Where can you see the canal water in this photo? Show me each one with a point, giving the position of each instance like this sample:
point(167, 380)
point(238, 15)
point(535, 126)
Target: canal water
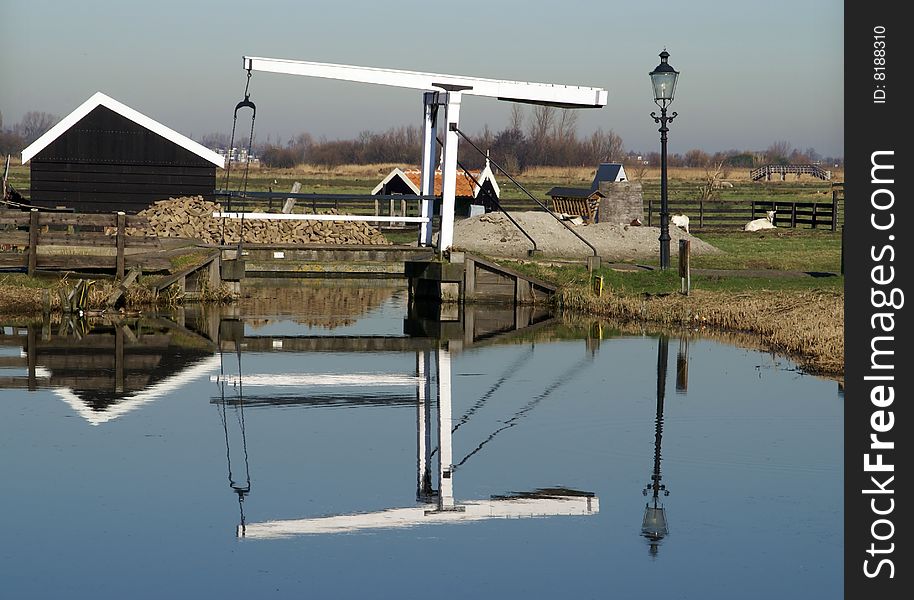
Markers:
point(327, 441)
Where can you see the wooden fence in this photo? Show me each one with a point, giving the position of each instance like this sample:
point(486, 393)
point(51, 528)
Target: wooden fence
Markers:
point(734, 214)
point(23, 233)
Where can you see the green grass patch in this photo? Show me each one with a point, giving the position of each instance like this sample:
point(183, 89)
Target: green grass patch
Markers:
point(781, 249)
point(184, 261)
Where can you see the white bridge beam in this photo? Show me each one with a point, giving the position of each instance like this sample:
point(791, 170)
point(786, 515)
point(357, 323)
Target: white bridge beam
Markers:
point(568, 96)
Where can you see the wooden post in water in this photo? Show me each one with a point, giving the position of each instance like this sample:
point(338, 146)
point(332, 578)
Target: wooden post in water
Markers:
point(33, 241)
point(684, 267)
point(120, 241)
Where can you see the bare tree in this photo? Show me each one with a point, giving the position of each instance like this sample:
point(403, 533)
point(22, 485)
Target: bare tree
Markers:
point(604, 146)
point(711, 182)
point(696, 158)
point(517, 117)
point(778, 152)
point(565, 126)
point(34, 124)
point(541, 121)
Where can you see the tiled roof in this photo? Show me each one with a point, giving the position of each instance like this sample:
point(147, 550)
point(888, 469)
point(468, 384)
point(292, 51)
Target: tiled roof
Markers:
point(464, 183)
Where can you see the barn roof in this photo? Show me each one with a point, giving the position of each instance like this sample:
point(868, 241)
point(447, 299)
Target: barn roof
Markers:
point(608, 172)
point(605, 172)
point(567, 192)
point(100, 99)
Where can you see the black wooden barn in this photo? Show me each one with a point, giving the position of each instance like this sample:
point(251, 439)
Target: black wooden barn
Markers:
point(106, 156)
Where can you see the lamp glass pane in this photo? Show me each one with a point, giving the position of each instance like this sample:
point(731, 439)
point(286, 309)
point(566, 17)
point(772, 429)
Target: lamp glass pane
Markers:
point(664, 83)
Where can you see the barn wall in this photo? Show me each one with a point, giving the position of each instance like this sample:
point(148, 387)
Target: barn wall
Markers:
point(106, 162)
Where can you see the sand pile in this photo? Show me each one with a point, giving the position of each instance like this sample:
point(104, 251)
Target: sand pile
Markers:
point(493, 234)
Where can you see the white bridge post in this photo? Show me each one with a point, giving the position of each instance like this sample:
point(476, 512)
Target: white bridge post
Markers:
point(423, 426)
point(429, 151)
point(449, 171)
point(445, 454)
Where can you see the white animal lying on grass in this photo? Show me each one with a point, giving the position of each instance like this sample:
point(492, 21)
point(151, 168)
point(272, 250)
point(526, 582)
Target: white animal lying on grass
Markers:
point(757, 224)
point(680, 221)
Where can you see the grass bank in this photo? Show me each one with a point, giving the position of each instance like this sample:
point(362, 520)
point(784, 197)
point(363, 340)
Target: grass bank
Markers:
point(23, 295)
point(802, 317)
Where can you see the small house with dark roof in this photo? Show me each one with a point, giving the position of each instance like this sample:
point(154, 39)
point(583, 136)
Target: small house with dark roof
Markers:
point(105, 156)
point(585, 202)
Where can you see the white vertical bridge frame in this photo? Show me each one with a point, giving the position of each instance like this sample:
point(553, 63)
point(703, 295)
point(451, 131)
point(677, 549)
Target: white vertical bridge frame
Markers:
point(440, 90)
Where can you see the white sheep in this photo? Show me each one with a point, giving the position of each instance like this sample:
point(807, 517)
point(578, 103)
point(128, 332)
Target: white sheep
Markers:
point(680, 221)
point(757, 224)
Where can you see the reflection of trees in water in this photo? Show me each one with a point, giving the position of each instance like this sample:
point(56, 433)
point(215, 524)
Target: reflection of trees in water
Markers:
point(325, 305)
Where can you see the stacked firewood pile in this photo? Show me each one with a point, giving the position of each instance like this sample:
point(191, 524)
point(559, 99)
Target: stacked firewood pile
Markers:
point(192, 217)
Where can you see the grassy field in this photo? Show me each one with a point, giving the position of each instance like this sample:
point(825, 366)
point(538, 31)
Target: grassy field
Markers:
point(360, 179)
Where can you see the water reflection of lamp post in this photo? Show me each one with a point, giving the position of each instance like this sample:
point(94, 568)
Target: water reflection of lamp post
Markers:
point(654, 525)
point(663, 79)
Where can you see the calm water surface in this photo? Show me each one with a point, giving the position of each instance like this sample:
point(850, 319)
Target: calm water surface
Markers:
point(260, 453)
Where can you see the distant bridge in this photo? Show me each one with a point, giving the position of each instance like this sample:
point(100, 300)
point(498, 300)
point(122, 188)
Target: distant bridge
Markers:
point(783, 170)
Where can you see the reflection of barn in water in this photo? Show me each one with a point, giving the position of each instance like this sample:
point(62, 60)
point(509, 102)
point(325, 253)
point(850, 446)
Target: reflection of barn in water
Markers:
point(109, 369)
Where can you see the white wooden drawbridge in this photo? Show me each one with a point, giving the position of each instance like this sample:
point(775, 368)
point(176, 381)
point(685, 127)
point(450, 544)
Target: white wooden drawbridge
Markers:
point(438, 90)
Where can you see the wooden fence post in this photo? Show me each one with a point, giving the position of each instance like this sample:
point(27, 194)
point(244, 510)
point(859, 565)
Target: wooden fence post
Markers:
point(842, 249)
point(684, 266)
point(121, 233)
point(834, 209)
point(33, 241)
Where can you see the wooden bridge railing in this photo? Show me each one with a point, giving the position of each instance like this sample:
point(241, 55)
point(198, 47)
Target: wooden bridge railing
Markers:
point(783, 170)
point(68, 232)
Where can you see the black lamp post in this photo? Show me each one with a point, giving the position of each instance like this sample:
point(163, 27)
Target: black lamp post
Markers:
point(663, 78)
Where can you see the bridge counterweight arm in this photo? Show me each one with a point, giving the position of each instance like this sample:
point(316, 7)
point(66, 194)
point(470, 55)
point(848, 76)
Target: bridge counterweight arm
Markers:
point(565, 96)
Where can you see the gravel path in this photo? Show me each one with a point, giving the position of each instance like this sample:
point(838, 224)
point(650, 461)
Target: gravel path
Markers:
point(493, 234)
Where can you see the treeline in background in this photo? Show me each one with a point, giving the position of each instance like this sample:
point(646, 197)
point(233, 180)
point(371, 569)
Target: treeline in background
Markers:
point(546, 136)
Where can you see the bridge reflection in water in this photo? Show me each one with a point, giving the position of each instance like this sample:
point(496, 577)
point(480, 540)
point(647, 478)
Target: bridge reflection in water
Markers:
point(113, 367)
point(438, 337)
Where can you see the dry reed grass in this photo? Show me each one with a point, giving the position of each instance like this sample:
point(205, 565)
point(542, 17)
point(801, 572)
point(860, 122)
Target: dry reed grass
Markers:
point(24, 300)
point(807, 326)
point(635, 173)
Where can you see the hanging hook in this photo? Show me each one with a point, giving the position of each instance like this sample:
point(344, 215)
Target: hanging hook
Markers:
point(246, 103)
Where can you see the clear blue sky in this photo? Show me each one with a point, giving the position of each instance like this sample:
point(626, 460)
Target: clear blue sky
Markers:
point(752, 73)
